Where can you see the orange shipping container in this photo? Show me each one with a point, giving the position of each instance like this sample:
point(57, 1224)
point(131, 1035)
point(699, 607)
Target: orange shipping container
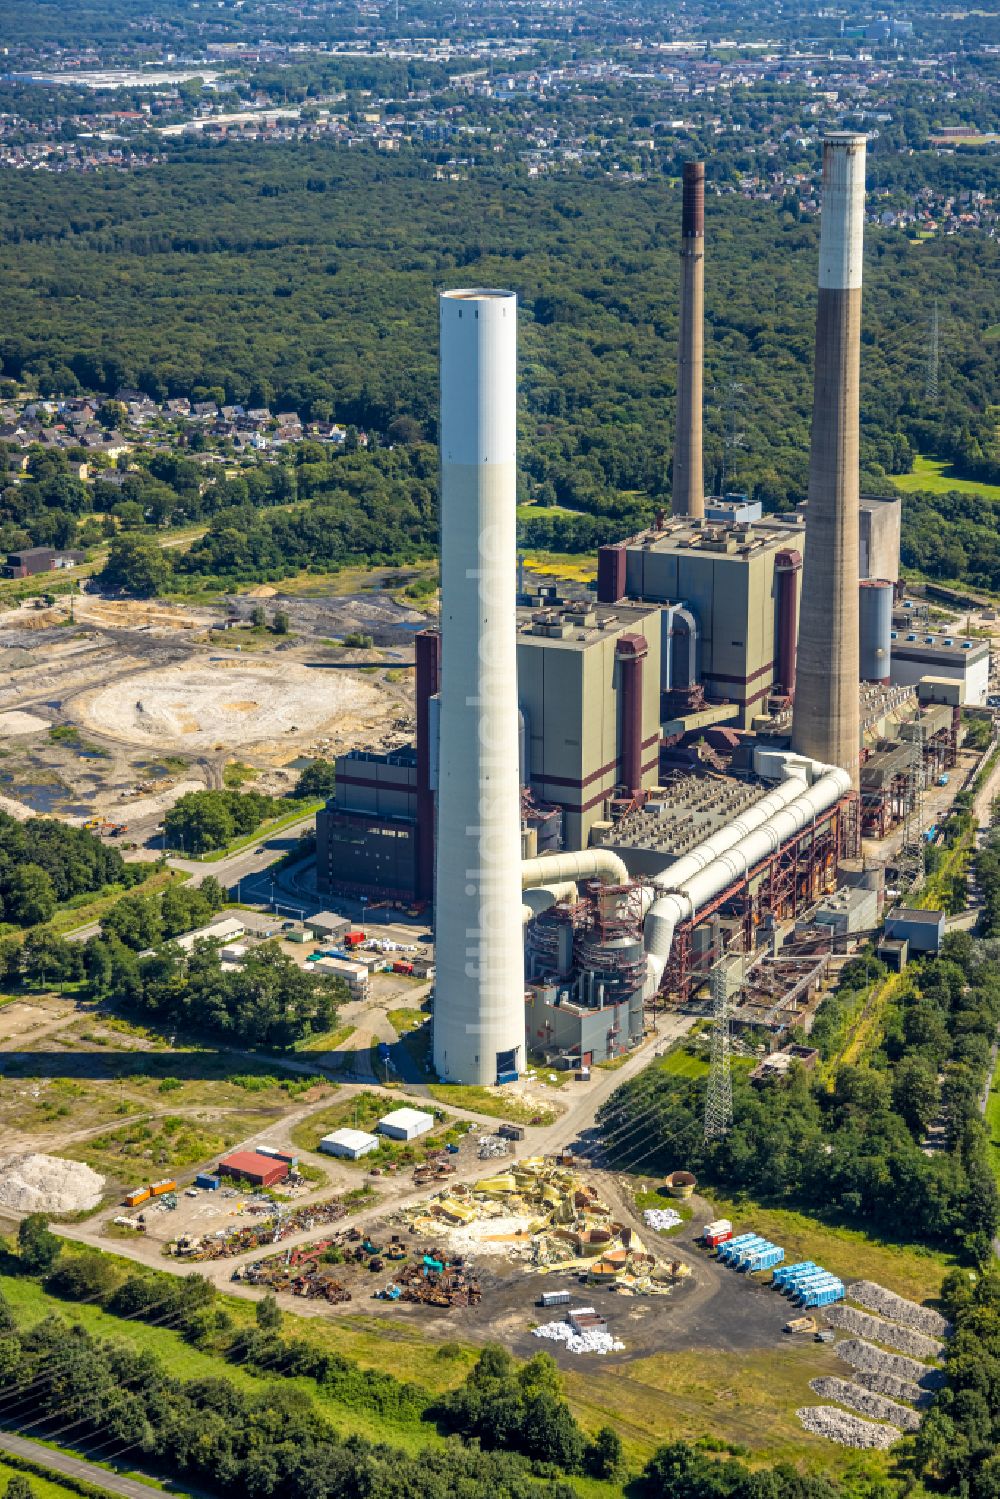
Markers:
point(159, 1188)
point(133, 1199)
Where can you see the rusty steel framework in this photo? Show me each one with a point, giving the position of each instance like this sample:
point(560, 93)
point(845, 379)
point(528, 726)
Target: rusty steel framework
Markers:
point(784, 885)
point(898, 801)
point(778, 991)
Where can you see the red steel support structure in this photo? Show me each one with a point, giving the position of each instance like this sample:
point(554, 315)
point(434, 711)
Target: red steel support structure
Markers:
point(428, 661)
point(787, 882)
point(788, 565)
point(631, 651)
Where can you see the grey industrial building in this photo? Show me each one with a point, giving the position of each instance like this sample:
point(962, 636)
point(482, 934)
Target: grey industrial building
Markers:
point(917, 655)
point(366, 837)
point(589, 685)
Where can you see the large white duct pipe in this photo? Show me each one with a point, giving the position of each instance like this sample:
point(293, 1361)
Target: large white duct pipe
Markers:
point(699, 888)
point(540, 897)
point(685, 887)
point(734, 832)
point(587, 864)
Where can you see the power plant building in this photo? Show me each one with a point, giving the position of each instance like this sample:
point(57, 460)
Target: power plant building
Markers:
point(757, 651)
point(589, 681)
point(725, 585)
point(366, 836)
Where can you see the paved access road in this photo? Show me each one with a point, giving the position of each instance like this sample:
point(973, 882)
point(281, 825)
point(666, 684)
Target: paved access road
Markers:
point(74, 1467)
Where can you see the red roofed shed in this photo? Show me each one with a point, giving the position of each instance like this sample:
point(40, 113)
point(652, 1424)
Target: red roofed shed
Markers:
point(260, 1170)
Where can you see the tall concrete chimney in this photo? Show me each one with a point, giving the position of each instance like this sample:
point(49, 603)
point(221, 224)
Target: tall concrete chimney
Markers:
point(688, 494)
point(479, 988)
point(826, 722)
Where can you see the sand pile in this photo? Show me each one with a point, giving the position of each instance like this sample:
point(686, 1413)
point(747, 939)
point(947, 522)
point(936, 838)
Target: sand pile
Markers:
point(17, 722)
point(46, 1184)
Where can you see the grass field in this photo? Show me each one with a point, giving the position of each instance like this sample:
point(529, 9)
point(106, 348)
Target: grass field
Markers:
point(574, 567)
point(322, 1041)
point(680, 1063)
point(390, 1349)
point(486, 1101)
point(933, 476)
point(42, 1488)
point(993, 1123)
point(404, 1020)
point(745, 1399)
point(133, 1153)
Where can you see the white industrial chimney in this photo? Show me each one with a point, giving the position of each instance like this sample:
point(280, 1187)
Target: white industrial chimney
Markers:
point(479, 988)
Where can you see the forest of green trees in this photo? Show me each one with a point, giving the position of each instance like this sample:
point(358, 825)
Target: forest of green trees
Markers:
point(44, 863)
point(305, 279)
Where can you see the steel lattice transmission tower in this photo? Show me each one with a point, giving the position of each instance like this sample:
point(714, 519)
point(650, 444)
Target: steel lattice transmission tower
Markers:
point(719, 1097)
point(911, 848)
point(933, 355)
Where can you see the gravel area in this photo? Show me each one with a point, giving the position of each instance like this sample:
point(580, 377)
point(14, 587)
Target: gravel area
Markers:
point(887, 1304)
point(866, 1401)
point(888, 1384)
point(889, 1334)
point(866, 1356)
point(849, 1431)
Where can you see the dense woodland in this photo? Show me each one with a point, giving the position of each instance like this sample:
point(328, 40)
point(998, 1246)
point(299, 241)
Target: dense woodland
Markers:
point(852, 1153)
point(44, 863)
point(304, 279)
point(268, 1002)
point(204, 820)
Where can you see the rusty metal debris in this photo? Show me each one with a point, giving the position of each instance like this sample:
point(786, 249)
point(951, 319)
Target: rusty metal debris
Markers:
point(237, 1239)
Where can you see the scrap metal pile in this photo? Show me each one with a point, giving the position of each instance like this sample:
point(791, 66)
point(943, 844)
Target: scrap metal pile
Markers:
point(437, 1282)
point(548, 1219)
point(431, 1279)
point(236, 1239)
point(297, 1271)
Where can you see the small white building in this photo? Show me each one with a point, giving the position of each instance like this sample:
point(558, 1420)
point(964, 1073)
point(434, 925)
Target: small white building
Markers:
point(405, 1124)
point(354, 975)
point(352, 1143)
point(224, 930)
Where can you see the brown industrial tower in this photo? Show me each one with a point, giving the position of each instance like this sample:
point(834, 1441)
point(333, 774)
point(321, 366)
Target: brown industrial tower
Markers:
point(688, 494)
point(825, 724)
